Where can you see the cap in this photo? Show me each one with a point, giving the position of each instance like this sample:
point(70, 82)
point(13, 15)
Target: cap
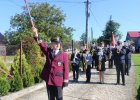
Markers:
point(55, 39)
point(119, 42)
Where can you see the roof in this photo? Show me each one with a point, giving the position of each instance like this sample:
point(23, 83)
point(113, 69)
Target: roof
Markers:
point(134, 34)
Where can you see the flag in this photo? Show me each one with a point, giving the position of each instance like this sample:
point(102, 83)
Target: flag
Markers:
point(113, 40)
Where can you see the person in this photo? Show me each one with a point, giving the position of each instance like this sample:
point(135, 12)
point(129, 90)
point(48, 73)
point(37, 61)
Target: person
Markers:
point(56, 69)
point(92, 52)
point(88, 62)
point(83, 57)
point(95, 57)
point(120, 62)
point(75, 59)
point(110, 56)
point(129, 51)
point(101, 64)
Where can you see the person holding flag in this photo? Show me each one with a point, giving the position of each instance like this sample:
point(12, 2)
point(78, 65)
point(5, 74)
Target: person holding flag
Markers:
point(56, 69)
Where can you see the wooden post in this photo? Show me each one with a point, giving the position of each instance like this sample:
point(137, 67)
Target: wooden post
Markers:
point(72, 46)
point(21, 57)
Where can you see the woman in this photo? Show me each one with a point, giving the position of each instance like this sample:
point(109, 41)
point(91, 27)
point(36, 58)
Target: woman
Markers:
point(101, 64)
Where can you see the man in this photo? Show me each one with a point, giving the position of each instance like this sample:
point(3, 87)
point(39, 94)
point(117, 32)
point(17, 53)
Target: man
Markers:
point(82, 57)
point(88, 62)
point(75, 59)
point(120, 62)
point(110, 56)
point(55, 71)
point(129, 51)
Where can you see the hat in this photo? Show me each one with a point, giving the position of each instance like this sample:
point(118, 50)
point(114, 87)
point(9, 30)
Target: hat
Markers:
point(119, 42)
point(55, 39)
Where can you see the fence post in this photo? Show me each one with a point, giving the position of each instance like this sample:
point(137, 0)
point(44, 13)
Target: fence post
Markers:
point(21, 57)
point(72, 46)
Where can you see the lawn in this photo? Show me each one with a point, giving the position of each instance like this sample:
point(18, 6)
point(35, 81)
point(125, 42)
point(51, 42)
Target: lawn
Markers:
point(136, 61)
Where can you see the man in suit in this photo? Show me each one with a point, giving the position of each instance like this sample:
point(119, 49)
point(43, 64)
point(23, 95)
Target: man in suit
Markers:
point(88, 62)
point(129, 51)
point(110, 57)
point(75, 59)
point(120, 62)
point(56, 69)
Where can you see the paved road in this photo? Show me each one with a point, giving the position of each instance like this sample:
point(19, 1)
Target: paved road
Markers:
point(93, 90)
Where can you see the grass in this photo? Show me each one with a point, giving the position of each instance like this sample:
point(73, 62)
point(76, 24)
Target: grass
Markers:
point(8, 60)
point(136, 61)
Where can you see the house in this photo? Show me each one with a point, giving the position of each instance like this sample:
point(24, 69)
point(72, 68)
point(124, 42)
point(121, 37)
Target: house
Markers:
point(135, 37)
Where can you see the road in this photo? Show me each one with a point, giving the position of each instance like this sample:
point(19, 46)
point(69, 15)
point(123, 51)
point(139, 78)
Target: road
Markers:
point(92, 90)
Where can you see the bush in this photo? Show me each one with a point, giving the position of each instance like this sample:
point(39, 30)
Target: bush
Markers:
point(4, 86)
point(27, 76)
point(37, 75)
point(25, 71)
point(33, 56)
point(16, 83)
point(3, 67)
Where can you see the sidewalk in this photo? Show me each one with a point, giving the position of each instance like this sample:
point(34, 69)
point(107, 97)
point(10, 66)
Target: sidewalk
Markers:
point(91, 91)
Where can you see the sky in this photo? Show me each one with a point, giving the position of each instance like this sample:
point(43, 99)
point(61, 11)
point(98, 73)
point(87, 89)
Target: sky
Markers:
point(124, 12)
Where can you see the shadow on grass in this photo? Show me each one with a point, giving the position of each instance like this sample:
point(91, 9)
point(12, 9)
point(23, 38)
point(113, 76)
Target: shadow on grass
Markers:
point(138, 94)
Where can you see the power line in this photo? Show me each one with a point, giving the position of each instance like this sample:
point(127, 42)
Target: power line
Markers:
point(67, 2)
point(95, 18)
point(14, 3)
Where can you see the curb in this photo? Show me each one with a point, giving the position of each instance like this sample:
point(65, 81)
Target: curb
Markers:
point(15, 95)
point(20, 93)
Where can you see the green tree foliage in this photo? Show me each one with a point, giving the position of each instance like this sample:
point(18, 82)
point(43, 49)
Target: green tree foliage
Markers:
point(33, 56)
point(83, 38)
point(110, 28)
point(24, 71)
point(48, 20)
point(16, 83)
point(3, 67)
point(26, 75)
point(4, 86)
point(94, 40)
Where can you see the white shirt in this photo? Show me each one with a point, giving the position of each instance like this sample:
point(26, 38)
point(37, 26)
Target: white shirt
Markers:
point(56, 51)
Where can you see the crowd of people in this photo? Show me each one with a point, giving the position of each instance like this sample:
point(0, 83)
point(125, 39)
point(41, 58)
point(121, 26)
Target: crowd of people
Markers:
point(96, 57)
point(56, 69)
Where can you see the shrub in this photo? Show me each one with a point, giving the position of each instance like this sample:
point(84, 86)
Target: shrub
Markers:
point(16, 83)
point(37, 75)
point(27, 76)
point(33, 56)
point(24, 70)
point(4, 86)
point(3, 67)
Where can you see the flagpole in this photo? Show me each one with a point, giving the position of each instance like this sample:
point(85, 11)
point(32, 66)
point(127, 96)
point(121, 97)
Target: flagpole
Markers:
point(113, 40)
point(27, 7)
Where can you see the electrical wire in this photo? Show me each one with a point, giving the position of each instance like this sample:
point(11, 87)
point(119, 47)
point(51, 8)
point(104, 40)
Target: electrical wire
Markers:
point(95, 18)
point(14, 3)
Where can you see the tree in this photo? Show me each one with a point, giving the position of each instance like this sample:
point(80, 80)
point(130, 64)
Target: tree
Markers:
point(3, 67)
point(94, 40)
point(33, 56)
point(111, 28)
point(4, 86)
point(24, 72)
point(83, 38)
point(48, 20)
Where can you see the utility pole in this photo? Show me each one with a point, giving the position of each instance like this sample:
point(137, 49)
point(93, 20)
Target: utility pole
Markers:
point(87, 15)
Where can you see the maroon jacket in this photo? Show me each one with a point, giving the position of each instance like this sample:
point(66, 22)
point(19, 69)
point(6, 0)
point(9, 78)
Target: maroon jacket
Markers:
point(56, 69)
